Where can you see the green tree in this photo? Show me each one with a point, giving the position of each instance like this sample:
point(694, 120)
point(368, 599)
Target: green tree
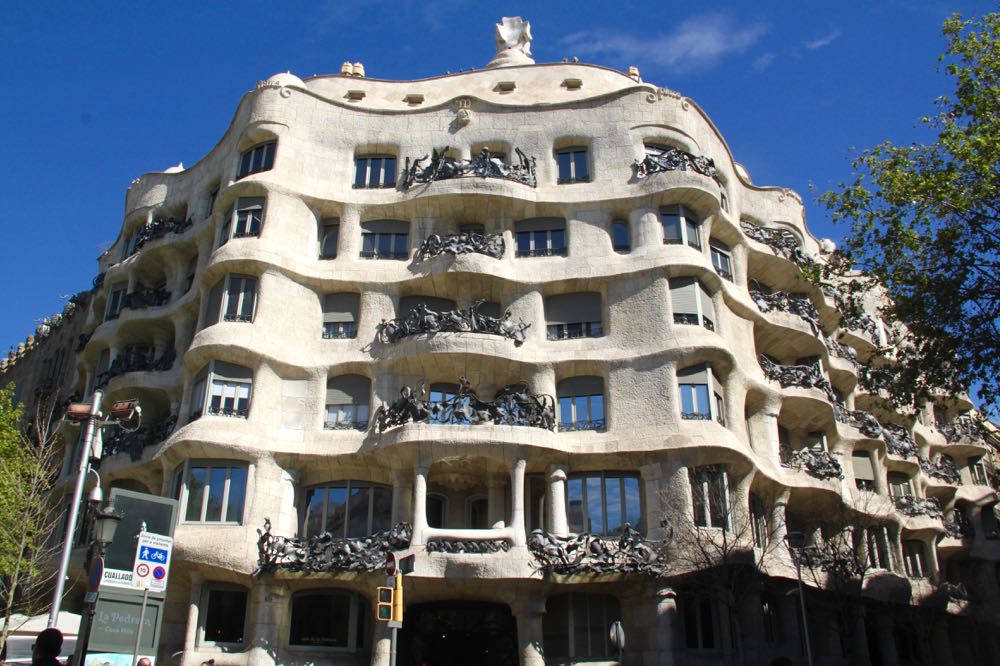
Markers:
point(28, 466)
point(925, 231)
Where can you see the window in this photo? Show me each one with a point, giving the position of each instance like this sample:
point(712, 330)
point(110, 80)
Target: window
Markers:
point(710, 496)
point(680, 226)
point(722, 259)
point(224, 613)
point(541, 237)
point(700, 631)
point(244, 220)
point(977, 471)
point(864, 473)
point(914, 559)
point(759, 522)
point(576, 315)
point(374, 171)
point(877, 546)
point(347, 400)
point(228, 390)
point(602, 502)
point(257, 159)
point(328, 618)
point(442, 397)
point(192, 268)
point(329, 234)
point(340, 316)
point(581, 404)
point(385, 239)
point(701, 397)
point(691, 302)
point(900, 485)
point(477, 513)
point(575, 627)
point(131, 245)
point(212, 492)
point(233, 298)
point(210, 204)
point(437, 510)
point(769, 619)
point(347, 509)
point(723, 198)
point(620, 238)
point(115, 300)
point(573, 165)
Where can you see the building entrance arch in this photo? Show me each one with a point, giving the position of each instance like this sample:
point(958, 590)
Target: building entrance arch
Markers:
point(444, 633)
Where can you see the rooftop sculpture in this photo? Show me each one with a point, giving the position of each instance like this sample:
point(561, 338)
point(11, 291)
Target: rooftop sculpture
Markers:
point(513, 38)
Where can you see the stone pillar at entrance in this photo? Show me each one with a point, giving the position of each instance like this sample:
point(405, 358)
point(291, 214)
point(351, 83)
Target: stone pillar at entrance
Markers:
point(381, 648)
point(517, 502)
point(528, 613)
point(268, 601)
point(419, 505)
point(666, 620)
point(557, 522)
point(194, 602)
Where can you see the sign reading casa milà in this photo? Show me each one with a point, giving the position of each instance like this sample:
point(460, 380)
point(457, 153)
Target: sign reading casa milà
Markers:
point(534, 325)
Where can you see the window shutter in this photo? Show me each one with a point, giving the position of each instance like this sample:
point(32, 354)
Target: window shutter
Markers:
point(684, 295)
point(231, 372)
point(863, 466)
point(541, 224)
point(348, 390)
point(340, 308)
point(214, 307)
point(385, 227)
point(719, 245)
point(250, 203)
point(696, 374)
point(707, 309)
point(573, 308)
point(584, 385)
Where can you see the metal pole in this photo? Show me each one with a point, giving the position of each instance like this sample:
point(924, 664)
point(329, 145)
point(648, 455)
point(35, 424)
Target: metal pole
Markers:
point(802, 605)
point(392, 647)
point(138, 632)
point(74, 509)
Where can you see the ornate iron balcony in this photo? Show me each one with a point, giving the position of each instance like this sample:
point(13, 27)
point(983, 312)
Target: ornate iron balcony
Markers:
point(483, 165)
point(160, 227)
point(805, 376)
point(136, 362)
point(908, 505)
point(476, 546)
point(672, 159)
point(799, 305)
point(943, 469)
point(323, 553)
point(346, 425)
point(146, 298)
point(375, 254)
point(898, 441)
point(132, 442)
point(863, 421)
point(339, 330)
point(421, 319)
point(589, 553)
point(781, 241)
point(492, 245)
point(572, 426)
point(814, 461)
point(542, 252)
point(962, 428)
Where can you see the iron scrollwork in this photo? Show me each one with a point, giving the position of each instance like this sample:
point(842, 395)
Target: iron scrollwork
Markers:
point(672, 159)
point(421, 319)
point(863, 421)
point(898, 441)
point(799, 305)
point(781, 241)
point(133, 442)
point(514, 404)
point(806, 376)
point(146, 298)
point(160, 227)
point(958, 525)
point(137, 362)
point(484, 165)
point(943, 469)
point(327, 553)
point(964, 427)
point(492, 245)
point(590, 553)
point(909, 505)
point(470, 546)
point(813, 460)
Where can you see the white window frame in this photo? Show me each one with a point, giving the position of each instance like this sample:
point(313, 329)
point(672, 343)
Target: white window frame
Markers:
point(347, 485)
point(716, 397)
point(571, 630)
point(116, 298)
point(721, 255)
point(182, 476)
point(241, 218)
point(267, 150)
point(873, 536)
point(206, 386)
point(640, 525)
point(685, 217)
point(573, 177)
point(701, 484)
point(203, 607)
point(915, 561)
point(370, 160)
point(244, 296)
point(683, 318)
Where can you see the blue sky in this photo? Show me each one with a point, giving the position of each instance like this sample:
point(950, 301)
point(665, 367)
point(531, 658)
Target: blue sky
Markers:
point(94, 98)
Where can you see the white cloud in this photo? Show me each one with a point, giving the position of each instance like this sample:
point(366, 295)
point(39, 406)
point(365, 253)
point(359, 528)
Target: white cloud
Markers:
point(698, 42)
point(825, 40)
point(763, 61)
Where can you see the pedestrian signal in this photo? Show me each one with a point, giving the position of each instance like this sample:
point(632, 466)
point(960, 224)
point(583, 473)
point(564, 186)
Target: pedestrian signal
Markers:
point(383, 611)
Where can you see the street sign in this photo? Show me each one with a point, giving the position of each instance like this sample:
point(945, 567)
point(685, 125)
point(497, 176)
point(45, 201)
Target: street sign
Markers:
point(152, 561)
point(390, 564)
point(95, 574)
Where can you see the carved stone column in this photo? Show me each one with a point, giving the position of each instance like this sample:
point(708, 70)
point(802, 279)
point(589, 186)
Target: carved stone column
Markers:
point(556, 520)
point(528, 613)
point(194, 603)
point(496, 510)
point(667, 625)
point(419, 504)
point(402, 496)
point(382, 644)
point(519, 536)
point(268, 602)
point(772, 408)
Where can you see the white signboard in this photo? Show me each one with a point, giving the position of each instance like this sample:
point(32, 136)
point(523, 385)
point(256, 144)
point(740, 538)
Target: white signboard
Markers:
point(152, 562)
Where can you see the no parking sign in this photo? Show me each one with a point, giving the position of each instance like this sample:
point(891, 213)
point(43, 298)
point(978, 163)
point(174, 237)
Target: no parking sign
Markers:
point(152, 561)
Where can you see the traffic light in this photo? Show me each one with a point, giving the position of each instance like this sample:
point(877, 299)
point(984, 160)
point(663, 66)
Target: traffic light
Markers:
point(397, 600)
point(385, 607)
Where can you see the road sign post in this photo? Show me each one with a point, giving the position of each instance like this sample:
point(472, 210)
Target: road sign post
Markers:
point(149, 572)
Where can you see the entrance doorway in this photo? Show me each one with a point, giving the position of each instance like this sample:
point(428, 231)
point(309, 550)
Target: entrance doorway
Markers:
point(446, 633)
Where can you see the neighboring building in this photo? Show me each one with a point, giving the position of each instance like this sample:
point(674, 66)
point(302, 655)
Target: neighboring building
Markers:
point(275, 308)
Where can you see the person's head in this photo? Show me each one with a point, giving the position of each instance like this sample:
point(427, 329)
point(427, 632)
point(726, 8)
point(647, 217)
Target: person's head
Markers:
point(48, 643)
point(144, 661)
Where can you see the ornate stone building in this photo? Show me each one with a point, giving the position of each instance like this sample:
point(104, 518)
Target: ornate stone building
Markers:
point(536, 326)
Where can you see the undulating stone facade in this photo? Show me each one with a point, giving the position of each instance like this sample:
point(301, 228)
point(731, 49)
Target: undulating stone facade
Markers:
point(536, 326)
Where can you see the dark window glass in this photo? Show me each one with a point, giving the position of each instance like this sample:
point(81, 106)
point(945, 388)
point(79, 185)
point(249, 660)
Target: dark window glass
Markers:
point(573, 165)
point(601, 503)
point(375, 171)
point(347, 509)
point(225, 617)
point(322, 619)
point(620, 240)
point(575, 627)
point(257, 159)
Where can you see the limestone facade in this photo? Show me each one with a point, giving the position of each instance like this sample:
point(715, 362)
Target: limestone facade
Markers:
point(644, 329)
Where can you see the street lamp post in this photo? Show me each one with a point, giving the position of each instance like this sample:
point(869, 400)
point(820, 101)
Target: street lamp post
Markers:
point(106, 521)
point(90, 414)
point(796, 541)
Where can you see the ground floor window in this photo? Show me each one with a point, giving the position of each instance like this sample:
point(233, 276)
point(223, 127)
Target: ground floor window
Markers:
point(700, 631)
point(575, 626)
point(225, 612)
point(328, 618)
